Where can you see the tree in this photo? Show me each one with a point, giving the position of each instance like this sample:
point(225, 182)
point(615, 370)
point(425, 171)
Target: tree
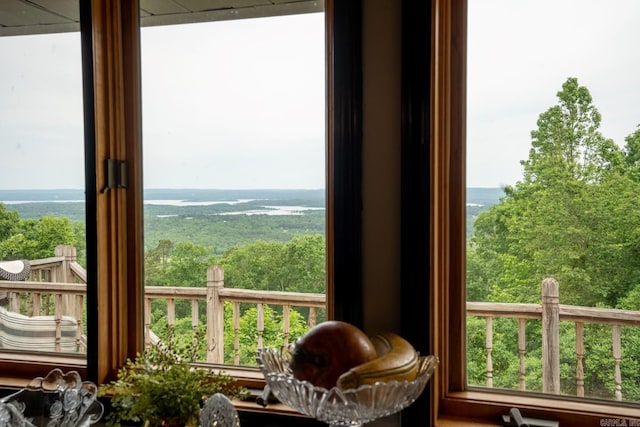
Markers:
point(156, 263)
point(9, 221)
point(295, 266)
point(632, 155)
point(575, 217)
point(569, 218)
point(188, 265)
point(253, 266)
point(567, 144)
point(37, 238)
point(303, 267)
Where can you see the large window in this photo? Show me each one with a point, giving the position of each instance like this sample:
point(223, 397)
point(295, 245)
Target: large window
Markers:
point(42, 198)
point(110, 42)
point(601, 163)
point(234, 175)
point(552, 184)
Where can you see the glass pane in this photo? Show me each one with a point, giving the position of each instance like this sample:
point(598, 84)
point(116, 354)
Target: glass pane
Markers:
point(553, 178)
point(234, 175)
point(42, 200)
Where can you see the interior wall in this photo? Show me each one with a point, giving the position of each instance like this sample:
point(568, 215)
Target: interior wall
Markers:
point(381, 164)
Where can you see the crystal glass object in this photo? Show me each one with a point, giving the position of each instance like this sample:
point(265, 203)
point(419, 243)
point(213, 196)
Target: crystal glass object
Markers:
point(337, 407)
point(57, 400)
point(218, 411)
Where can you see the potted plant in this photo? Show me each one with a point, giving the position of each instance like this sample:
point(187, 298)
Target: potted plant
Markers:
point(159, 388)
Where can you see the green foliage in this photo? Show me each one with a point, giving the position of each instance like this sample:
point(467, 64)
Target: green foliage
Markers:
point(156, 263)
point(295, 266)
point(632, 155)
point(303, 265)
point(248, 334)
point(223, 232)
point(574, 217)
point(160, 387)
point(35, 239)
point(188, 264)
point(187, 343)
point(253, 266)
point(9, 221)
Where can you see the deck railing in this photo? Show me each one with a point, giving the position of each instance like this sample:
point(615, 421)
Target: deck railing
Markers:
point(57, 288)
point(550, 312)
point(215, 295)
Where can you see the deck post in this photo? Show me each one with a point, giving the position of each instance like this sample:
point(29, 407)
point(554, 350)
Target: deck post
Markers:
point(63, 274)
point(215, 315)
point(550, 336)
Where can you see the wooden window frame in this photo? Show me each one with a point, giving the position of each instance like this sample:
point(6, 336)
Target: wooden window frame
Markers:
point(453, 403)
point(112, 130)
point(110, 33)
point(118, 273)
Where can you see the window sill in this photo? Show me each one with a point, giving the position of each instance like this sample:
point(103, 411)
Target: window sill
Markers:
point(488, 407)
point(448, 421)
point(20, 368)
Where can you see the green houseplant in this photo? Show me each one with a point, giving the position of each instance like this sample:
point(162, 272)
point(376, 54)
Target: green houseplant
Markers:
point(160, 388)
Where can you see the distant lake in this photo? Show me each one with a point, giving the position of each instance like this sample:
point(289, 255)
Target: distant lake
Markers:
point(222, 202)
point(171, 202)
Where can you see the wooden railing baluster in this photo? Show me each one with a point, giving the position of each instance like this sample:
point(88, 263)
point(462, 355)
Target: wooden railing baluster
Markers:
point(236, 333)
point(58, 320)
point(285, 325)
point(550, 336)
point(36, 304)
point(14, 301)
point(260, 325)
point(195, 321)
point(147, 322)
point(579, 359)
point(79, 303)
point(521, 350)
point(171, 313)
point(312, 317)
point(615, 338)
point(489, 348)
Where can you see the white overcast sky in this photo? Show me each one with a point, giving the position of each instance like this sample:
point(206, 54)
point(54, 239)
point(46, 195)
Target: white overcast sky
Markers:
point(519, 55)
point(244, 100)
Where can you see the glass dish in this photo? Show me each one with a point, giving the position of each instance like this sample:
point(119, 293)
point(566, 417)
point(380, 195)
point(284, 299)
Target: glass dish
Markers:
point(337, 407)
point(57, 400)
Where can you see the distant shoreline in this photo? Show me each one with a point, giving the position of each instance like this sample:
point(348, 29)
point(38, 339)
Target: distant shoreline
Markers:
point(476, 196)
point(185, 194)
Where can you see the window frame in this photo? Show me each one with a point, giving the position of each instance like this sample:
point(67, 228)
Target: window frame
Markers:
point(110, 34)
point(451, 397)
point(118, 258)
point(114, 265)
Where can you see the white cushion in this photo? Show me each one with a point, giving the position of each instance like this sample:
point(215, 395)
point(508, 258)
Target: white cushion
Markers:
point(36, 333)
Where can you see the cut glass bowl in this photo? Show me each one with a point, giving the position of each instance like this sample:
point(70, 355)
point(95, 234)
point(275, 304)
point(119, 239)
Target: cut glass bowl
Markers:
point(336, 407)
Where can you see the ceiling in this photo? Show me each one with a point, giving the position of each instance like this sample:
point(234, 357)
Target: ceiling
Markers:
point(19, 17)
